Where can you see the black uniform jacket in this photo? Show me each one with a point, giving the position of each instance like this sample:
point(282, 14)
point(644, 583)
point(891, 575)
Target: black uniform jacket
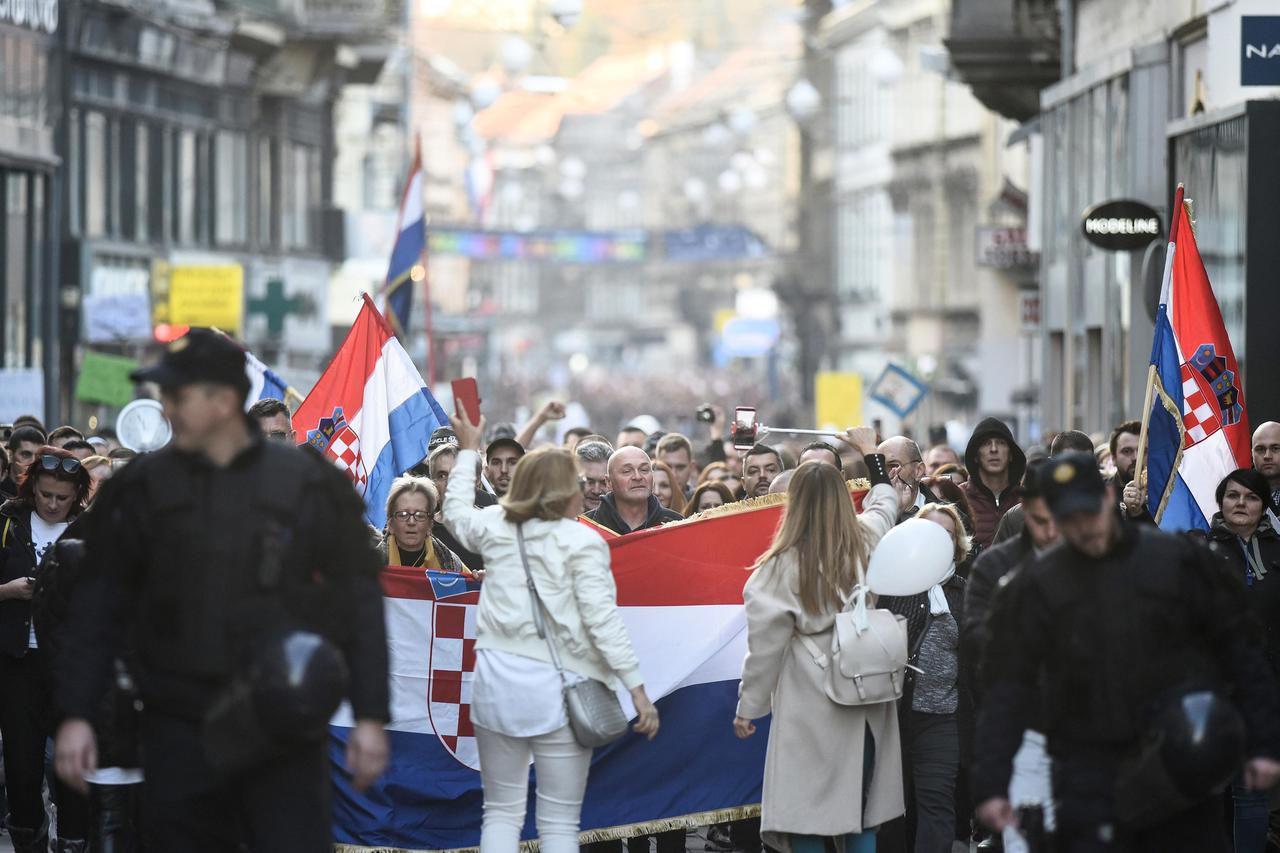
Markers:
point(198, 563)
point(1099, 644)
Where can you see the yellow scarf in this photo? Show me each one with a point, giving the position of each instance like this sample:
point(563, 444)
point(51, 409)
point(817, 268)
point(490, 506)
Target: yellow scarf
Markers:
point(429, 560)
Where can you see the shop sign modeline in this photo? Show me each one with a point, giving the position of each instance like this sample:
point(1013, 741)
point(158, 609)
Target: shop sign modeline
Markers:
point(1121, 226)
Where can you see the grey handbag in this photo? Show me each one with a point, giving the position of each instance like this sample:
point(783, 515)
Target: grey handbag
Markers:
point(595, 714)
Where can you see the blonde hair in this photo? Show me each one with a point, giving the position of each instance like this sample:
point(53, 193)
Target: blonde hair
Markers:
point(677, 491)
point(964, 544)
point(820, 528)
point(91, 462)
point(402, 486)
point(544, 482)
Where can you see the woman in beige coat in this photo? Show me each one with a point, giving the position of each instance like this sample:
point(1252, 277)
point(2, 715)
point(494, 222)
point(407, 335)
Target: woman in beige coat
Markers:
point(830, 770)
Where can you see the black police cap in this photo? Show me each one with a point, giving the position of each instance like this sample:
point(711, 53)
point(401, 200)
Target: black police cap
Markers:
point(201, 355)
point(1072, 483)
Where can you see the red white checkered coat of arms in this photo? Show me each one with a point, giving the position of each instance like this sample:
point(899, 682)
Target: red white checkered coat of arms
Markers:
point(338, 442)
point(452, 664)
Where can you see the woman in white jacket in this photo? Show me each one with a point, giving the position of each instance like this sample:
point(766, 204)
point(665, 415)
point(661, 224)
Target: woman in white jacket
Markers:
point(517, 705)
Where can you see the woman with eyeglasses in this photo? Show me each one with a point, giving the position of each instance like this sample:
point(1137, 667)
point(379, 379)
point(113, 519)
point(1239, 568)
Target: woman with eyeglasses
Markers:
point(50, 496)
point(407, 539)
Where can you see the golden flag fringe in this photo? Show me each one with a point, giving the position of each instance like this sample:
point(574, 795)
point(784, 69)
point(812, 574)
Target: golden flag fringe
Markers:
point(753, 504)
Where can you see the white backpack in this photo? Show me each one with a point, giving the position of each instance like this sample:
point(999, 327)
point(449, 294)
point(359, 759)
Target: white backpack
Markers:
point(868, 658)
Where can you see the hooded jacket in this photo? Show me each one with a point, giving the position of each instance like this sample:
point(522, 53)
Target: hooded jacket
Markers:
point(989, 508)
point(606, 515)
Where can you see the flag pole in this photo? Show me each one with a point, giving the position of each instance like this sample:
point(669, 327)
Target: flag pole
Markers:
point(1140, 473)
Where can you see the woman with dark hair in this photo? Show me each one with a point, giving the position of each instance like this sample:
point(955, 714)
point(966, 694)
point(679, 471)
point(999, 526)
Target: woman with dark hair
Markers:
point(1242, 537)
point(50, 496)
point(708, 496)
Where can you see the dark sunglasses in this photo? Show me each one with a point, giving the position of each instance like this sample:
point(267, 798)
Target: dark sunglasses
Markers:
point(49, 462)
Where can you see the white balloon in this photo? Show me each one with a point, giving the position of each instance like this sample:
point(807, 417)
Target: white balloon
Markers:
point(910, 558)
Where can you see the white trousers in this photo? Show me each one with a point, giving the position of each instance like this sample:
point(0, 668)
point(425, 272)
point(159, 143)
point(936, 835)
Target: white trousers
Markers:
point(1029, 785)
point(562, 766)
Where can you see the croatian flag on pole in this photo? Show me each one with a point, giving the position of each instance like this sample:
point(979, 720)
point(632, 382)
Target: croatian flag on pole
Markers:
point(264, 383)
point(680, 595)
point(1198, 429)
point(411, 245)
point(370, 414)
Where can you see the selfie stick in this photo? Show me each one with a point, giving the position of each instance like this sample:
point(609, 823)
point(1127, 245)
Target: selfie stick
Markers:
point(764, 430)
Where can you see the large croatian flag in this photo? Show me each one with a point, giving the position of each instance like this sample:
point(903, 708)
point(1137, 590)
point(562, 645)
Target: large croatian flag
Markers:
point(1198, 431)
point(680, 595)
point(370, 414)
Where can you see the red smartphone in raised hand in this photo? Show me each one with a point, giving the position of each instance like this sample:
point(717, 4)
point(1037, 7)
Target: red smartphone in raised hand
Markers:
point(466, 399)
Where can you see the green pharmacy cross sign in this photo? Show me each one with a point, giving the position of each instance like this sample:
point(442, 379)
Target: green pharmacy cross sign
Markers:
point(275, 306)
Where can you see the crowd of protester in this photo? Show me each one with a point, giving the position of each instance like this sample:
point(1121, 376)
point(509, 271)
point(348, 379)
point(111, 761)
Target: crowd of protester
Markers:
point(912, 777)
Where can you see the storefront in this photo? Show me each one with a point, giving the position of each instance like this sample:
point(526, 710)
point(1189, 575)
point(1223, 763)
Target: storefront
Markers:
point(1101, 130)
point(1227, 159)
point(28, 115)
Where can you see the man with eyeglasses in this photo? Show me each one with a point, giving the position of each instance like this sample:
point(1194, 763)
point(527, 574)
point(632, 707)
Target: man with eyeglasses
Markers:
point(1266, 456)
point(903, 460)
point(206, 554)
point(274, 420)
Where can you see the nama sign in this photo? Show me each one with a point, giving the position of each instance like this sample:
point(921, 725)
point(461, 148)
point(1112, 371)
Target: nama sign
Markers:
point(1121, 226)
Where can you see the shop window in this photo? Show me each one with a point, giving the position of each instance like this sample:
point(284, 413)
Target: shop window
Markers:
point(300, 192)
point(75, 172)
point(1213, 161)
point(186, 186)
point(15, 229)
point(95, 175)
point(138, 208)
point(231, 175)
point(267, 205)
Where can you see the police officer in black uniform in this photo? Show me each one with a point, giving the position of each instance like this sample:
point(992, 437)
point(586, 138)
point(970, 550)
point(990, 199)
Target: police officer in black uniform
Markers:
point(228, 562)
point(1099, 640)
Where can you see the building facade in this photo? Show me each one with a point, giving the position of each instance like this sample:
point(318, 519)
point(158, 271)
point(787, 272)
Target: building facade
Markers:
point(1150, 94)
point(929, 205)
point(30, 107)
point(198, 153)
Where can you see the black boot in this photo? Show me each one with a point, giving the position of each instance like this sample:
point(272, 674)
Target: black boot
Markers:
point(28, 840)
point(71, 845)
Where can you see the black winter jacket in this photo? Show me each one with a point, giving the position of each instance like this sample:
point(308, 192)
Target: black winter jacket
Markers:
point(988, 570)
point(1263, 593)
point(606, 515)
point(17, 560)
point(1099, 645)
